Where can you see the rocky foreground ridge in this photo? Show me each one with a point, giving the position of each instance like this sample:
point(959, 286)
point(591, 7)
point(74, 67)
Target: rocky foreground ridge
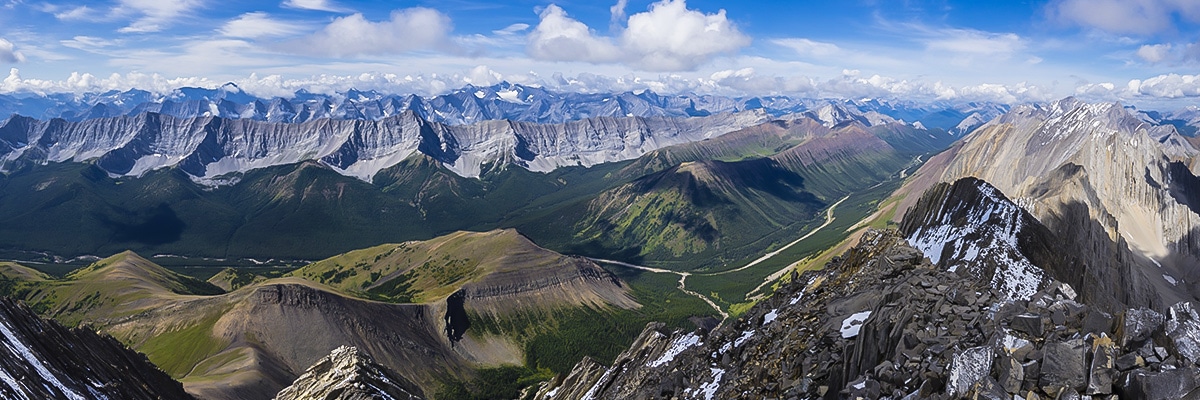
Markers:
point(882, 321)
point(989, 319)
point(40, 359)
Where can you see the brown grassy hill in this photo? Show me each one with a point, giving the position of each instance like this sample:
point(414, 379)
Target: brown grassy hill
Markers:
point(251, 342)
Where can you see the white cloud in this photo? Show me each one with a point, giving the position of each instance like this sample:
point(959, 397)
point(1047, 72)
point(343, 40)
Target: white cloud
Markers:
point(353, 35)
point(671, 37)
point(617, 12)
point(511, 29)
point(9, 54)
point(256, 25)
point(87, 43)
point(483, 76)
point(77, 14)
point(1169, 86)
point(558, 37)
point(1154, 53)
point(740, 82)
point(1096, 91)
point(315, 5)
point(1139, 17)
point(83, 83)
point(972, 42)
point(667, 37)
point(153, 13)
point(809, 48)
point(745, 80)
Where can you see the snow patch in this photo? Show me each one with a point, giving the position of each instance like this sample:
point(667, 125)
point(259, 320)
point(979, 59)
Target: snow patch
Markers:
point(852, 324)
point(678, 346)
point(14, 344)
point(510, 96)
point(770, 317)
point(709, 390)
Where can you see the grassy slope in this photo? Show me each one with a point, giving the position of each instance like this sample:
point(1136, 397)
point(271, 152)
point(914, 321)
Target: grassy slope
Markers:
point(420, 272)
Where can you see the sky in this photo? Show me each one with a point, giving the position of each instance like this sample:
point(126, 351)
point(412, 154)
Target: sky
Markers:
point(1135, 51)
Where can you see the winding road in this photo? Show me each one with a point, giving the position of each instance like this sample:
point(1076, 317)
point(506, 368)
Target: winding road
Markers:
point(683, 275)
point(682, 282)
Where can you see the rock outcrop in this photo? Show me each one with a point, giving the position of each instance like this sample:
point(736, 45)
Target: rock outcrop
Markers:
point(349, 374)
point(41, 359)
point(881, 321)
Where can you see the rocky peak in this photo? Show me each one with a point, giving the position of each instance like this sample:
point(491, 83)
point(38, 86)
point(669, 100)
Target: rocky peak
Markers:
point(349, 374)
point(970, 225)
point(1106, 182)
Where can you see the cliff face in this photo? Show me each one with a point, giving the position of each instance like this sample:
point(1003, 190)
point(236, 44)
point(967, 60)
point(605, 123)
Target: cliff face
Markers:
point(40, 359)
point(1131, 177)
point(971, 225)
point(206, 147)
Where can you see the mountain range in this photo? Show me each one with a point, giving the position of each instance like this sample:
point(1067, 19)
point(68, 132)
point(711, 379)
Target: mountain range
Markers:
point(1038, 251)
point(474, 104)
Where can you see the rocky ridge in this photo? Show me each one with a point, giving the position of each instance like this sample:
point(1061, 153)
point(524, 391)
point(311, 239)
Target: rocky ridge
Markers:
point(208, 147)
point(884, 321)
point(349, 374)
point(1069, 162)
point(41, 359)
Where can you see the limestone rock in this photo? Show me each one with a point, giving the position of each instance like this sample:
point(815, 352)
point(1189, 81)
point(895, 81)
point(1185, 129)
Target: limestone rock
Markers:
point(349, 374)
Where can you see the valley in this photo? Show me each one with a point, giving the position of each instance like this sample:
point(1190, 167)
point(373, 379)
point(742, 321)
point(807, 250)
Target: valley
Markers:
point(522, 259)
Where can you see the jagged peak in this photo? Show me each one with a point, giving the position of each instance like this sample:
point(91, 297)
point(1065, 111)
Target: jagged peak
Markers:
point(349, 373)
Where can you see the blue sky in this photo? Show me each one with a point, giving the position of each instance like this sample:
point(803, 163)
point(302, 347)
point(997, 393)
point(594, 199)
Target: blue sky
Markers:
point(1140, 51)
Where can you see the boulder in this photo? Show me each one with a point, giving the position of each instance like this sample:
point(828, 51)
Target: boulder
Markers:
point(1130, 361)
point(1103, 370)
point(1162, 385)
point(969, 366)
point(1184, 331)
point(1097, 322)
point(1010, 374)
point(1138, 325)
point(1064, 365)
point(1030, 324)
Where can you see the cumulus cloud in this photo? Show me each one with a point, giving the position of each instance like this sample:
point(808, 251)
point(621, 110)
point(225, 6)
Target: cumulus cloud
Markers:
point(1169, 86)
point(153, 13)
point(1154, 53)
point(671, 37)
point(558, 37)
point(84, 83)
point(667, 37)
point(353, 35)
point(256, 25)
point(315, 5)
point(617, 11)
point(1140, 17)
point(8, 53)
point(745, 80)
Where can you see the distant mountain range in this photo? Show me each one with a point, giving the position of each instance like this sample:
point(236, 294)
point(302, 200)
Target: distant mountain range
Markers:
point(474, 104)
